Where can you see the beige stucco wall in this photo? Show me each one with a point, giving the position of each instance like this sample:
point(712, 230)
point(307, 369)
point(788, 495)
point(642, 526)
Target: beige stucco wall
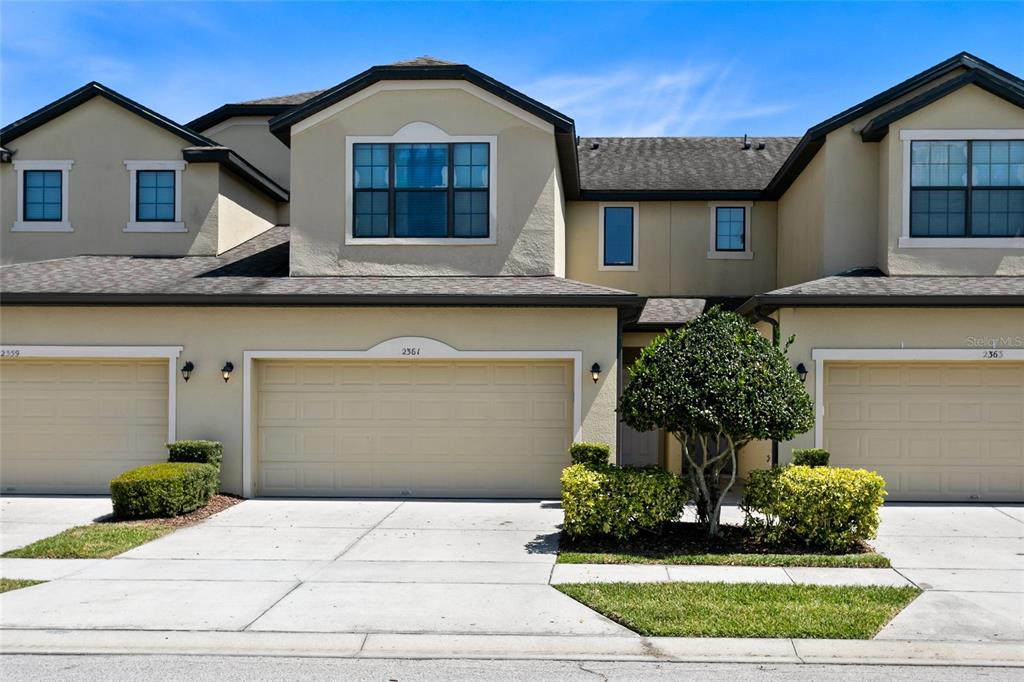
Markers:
point(242, 212)
point(968, 108)
point(672, 251)
point(802, 225)
point(250, 136)
point(528, 200)
point(218, 210)
point(892, 328)
point(207, 407)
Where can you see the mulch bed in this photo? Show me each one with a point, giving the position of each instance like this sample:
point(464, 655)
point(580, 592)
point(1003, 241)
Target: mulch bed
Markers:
point(217, 503)
point(689, 538)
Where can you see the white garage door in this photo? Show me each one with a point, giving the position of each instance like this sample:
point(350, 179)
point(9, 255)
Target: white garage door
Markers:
point(422, 429)
point(69, 426)
point(935, 431)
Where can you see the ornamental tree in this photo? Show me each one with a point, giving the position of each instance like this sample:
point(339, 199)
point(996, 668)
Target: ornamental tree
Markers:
point(715, 385)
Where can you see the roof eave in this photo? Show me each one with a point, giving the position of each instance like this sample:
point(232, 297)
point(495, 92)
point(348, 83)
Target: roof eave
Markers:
point(239, 166)
point(770, 302)
point(228, 111)
point(85, 93)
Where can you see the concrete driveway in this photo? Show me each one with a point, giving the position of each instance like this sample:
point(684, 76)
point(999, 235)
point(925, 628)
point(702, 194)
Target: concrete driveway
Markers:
point(969, 559)
point(23, 520)
point(473, 567)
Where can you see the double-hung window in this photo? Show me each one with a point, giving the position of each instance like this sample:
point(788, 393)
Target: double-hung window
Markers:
point(729, 235)
point(155, 196)
point(42, 196)
point(421, 190)
point(966, 188)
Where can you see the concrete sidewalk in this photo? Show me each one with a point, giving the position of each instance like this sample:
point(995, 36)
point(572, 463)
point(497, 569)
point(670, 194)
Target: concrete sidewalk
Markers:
point(24, 520)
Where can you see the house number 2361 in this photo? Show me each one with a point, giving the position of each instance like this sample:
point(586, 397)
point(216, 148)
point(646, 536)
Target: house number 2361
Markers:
point(992, 354)
point(411, 350)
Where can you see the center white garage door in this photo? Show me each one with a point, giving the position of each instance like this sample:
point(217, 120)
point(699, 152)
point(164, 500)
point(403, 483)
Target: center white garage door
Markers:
point(422, 429)
point(951, 431)
point(70, 425)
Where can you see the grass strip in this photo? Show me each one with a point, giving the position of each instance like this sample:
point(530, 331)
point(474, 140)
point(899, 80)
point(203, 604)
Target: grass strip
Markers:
point(95, 541)
point(8, 584)
point(863, 560)
point(745, 609)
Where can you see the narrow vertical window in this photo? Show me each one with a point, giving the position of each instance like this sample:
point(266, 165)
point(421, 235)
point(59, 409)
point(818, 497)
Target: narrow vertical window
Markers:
point(730, 228)
point(618, 236)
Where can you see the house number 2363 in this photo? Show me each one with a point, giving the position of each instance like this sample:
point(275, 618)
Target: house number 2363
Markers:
point(992, 354)
point(411, 350)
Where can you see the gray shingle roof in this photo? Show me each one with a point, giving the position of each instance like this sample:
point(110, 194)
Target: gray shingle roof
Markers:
point(874, 288)
point(296, 98)
point(670, 311)
point(680, 163)
point(425, 60)
point(257, 271)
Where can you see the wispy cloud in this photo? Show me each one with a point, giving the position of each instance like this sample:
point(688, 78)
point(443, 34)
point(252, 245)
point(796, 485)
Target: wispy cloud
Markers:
point(636, 101)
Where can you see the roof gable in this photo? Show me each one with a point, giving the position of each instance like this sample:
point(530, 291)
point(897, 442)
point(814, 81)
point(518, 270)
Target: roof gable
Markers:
point(85, 93)
point(814, 138)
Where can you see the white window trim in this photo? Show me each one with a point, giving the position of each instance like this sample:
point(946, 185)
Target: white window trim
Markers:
point(748, 246)
point(171, 353)
point(62, 225)
point(600, 236)
point(176, 225)
point(905, 241)
point(822, 355)
point(416, 133)
point(393, 349)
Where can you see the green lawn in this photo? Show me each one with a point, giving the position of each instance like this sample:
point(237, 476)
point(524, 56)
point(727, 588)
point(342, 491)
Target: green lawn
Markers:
point(8, 584)
point(865, 560)
point(95, 541)
point(745, 609)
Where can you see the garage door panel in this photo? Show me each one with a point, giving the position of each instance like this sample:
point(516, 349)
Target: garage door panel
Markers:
point(952, 431)
point(70, 425)
point(424, 428)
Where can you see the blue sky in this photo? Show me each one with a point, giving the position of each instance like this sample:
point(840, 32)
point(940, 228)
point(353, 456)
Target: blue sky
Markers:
point(617, 68)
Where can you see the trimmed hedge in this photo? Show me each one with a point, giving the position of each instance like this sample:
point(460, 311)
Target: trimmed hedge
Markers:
point(810, 457)
point(166, 489)
point(607, 500)
point(827, 507)
point(201, 451)
point(597, 454)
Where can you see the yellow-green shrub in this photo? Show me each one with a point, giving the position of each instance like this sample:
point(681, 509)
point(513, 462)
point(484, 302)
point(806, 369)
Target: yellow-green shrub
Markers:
point(166, 489)
point(827, 507)
point(607, 500)
point(584, 452)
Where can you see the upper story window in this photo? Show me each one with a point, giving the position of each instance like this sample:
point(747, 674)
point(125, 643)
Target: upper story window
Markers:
point(42, 196)
point(948, 201)
point(155, 196)
point(421, 190)
point(729, 236)
point(618, 236)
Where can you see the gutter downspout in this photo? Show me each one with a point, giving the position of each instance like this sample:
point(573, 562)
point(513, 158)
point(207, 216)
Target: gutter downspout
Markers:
point(776, 341)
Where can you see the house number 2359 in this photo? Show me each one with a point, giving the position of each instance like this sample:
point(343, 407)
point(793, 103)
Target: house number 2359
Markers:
point(412, 350)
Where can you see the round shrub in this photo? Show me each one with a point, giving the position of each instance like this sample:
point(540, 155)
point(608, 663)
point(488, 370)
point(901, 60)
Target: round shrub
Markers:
point(201, 451)
point(826, 507)
point(607, 500)
point(597, 454)
point(810, 457)
point(166, 489)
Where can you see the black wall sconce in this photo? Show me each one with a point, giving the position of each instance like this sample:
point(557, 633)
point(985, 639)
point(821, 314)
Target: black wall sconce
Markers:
point(226, 370)
point(801, 372)
point(186, 370)
point(595, 372)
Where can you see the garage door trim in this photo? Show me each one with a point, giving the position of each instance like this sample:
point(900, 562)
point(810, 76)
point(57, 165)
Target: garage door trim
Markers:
point(171, 353)
point(410, 348)
point(823, 355)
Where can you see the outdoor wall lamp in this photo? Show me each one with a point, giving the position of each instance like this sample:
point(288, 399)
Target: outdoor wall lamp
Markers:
point(226, 370)
point(186, 370)
point(595, 372)
point(801, 372)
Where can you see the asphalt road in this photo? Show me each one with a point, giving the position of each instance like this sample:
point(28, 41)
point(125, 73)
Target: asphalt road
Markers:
point(252, 669)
